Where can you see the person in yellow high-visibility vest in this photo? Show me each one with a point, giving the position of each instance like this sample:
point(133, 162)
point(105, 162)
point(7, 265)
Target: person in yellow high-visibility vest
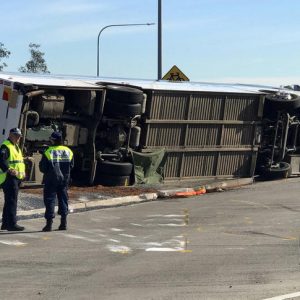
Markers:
point(56, 164)
point(12, 172)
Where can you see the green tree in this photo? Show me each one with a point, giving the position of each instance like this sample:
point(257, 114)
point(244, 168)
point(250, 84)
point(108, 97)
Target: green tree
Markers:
point(4, 53)
point(37, 63)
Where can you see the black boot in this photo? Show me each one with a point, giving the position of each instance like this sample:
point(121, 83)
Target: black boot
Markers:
point(63, 223)
point(48, 226)
point(15, 227)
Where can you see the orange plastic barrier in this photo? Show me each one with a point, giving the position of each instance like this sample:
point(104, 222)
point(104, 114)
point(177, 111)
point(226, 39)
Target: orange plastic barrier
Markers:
point(201, 191)
point(196, 192)
point(185, 194)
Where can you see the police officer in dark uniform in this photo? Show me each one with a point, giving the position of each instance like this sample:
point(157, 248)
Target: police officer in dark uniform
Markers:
point(12, 172)
point(56, 164)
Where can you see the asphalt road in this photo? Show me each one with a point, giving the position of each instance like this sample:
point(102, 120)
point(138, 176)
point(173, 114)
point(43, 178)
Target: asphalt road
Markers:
point(240, 244)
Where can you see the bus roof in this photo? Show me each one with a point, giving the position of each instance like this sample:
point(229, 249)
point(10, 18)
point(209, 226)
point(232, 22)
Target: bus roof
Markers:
point(98, 83)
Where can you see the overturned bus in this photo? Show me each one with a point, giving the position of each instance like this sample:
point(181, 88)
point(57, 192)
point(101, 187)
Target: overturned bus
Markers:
point(124, 132)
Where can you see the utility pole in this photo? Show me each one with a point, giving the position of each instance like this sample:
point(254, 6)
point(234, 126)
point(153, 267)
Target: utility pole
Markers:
point(159, 43)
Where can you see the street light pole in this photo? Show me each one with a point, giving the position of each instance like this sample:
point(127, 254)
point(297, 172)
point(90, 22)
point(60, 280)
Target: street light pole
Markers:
point(115, 25)
point(159, 43)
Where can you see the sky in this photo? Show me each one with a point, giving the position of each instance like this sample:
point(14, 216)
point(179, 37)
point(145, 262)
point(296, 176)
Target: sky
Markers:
point(240, 41)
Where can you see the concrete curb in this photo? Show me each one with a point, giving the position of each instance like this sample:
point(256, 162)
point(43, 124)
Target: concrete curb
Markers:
point(211, 187)
point(92, 204)
point(127, 200)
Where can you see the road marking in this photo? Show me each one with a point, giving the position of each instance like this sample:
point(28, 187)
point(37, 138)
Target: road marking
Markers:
point(290, 238)
point(166, 216)
point(153, 244)
point(127, 235)
point(79, 237)
point(248, 222)
point(172, 225)
point(86, 231)
point(235, 248)
point(28, 235)
point(175, 220)
point(282, 297)
point(102, 235)
point(155, 249)
point(200, 229)
point(251, 203)
point(96, 230)
point(12, 243)
point(177, 242)
point(119, 249)
point(115, 241)
point(116, 229)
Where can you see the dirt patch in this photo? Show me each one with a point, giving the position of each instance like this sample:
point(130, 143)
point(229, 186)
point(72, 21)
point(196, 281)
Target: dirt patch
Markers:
point(76, 192)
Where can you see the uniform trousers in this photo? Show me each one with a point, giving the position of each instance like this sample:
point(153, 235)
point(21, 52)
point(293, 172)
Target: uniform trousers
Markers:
point(51, 191)
point(11, 191)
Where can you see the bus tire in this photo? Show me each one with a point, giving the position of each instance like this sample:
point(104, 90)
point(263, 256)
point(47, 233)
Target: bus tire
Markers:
point(118, 109)
point(278, 171)
point(110, 180)
point(277, 103)
point(124, 94)
point(114, 168)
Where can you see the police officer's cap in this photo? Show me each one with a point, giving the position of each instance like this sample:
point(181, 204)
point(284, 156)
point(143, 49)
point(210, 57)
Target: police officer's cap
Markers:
point(16, 131)
point(55, 136)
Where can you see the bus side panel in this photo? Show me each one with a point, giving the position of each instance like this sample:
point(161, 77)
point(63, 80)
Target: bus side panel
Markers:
point(3, 112)
point(10, 108)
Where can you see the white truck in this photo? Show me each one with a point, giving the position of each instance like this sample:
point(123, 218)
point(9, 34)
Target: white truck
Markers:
point(205, 130)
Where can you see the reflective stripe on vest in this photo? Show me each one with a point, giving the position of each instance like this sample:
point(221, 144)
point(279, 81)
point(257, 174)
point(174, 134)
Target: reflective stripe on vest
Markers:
point(59, 154)
point(15, 161)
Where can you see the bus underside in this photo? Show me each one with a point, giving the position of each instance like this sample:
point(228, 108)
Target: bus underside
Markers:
point(100, 126)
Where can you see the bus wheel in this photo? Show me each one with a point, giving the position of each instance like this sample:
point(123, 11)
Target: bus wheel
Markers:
point(124, 94)
point(114, 168)
point(274, 102)
point(110, 180)
point(118, 109)
point(277, 171)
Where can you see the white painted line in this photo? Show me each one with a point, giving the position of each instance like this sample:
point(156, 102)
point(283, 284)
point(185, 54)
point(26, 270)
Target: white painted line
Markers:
point(102, 235)
point(12, 243)
point(251, 203)
point(165, 216)
point(29, 235)
point(172, 225)
point(235, 248)
point(86, 231)
point(177, 242)
point(164, 249)
point(119, 249)
point(174, 220)
point(116, 229)
point(79, 237)
point(127, 235)
point(115, 241)
point(282, 297)
point(134, 224)
point(153, 244)
point(96, 230)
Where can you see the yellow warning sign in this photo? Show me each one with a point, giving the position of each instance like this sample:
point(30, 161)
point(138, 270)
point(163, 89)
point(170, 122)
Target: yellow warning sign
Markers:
point(175, 75)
